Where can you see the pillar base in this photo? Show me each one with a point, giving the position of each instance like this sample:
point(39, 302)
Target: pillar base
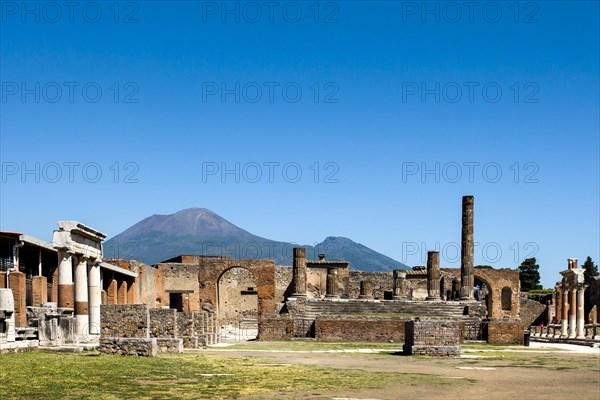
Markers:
point(363, 297)
point(297, 295)
point(433, 298)
point(332, 296)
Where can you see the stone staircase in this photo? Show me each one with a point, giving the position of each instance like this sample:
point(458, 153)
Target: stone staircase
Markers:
point(422, 309)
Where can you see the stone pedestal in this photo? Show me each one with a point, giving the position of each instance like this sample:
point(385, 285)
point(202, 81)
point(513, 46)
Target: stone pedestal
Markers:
point(467, 279)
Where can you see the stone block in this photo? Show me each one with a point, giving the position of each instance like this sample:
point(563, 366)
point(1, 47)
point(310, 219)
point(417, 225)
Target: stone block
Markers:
point(141, 347)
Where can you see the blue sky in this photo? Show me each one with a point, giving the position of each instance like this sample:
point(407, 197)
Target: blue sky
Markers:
point(394, 106)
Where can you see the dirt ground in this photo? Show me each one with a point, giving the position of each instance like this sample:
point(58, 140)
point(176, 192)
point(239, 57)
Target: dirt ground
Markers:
point(502, 374)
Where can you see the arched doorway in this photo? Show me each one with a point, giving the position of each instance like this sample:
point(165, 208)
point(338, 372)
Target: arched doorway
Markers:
point(483, 293)
point(237, 304)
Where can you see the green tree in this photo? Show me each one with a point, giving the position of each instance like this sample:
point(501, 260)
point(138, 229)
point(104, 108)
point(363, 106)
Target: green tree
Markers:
point(529, 275)
point(591, 269)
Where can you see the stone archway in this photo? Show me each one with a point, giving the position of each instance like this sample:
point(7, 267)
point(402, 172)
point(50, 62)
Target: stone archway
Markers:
point(237, 297)
point(489, 298)
point(212, 268)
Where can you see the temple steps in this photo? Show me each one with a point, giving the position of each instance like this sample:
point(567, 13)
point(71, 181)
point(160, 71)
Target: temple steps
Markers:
point(409, 308)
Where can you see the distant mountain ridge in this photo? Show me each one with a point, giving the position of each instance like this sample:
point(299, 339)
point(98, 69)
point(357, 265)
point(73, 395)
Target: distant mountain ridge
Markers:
point(199, 231)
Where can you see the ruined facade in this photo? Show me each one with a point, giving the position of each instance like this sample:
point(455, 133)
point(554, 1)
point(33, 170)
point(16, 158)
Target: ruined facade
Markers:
point(55, 292)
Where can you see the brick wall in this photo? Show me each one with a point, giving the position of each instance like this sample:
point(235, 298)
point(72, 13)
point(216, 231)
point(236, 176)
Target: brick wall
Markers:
point(505, 332)
point(275, 328)
point(432, 338)
point(374, 329)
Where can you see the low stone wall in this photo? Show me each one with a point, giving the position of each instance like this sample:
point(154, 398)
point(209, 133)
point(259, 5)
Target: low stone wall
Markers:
point(376, 329)
point(432, 338)
point(144, 347)
point(196, 329)
point(169, 345)
point(163, 323)
point(125, 321)
point(275, 328)
point(169, 330)
point(505, 332)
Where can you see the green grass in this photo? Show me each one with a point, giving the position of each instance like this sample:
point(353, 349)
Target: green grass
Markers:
point(37, 375)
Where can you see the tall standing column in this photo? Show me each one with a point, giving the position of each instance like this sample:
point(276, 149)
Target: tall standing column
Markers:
point(95, 297)
point(564, 317)
point(82, 319)
point(66, 296)
point(332, 286)
point(573, 313)
point(433, 275)
point(299, 271)
point(467, 251)
point(399, 284)
point(580, 311)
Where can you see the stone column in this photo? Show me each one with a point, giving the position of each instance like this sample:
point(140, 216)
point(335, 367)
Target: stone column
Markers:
point(122, 292)
point(573, 313)
point(39, 291)
point(132, 292)
point(82, 318)
point(467, 251)
point(332, 285)
point(40, 262)
point(433, 275)
point(366, 290)
point(94, 297)
point(580, 312)
point(111, 293)
point(564, 318)
point(399, 284)
point(66, 296)
point(18, 284)
point(299, 272)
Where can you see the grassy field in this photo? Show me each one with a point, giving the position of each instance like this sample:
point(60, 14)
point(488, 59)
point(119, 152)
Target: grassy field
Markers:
point(90, 376)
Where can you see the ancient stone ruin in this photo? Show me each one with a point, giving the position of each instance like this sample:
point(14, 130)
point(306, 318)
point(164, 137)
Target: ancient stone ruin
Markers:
point(64, 294)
